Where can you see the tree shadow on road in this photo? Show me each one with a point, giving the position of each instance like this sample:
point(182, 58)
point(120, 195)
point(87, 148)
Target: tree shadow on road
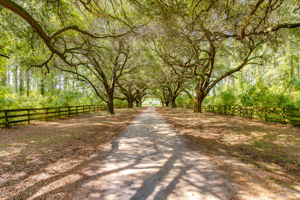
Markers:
point(270, 147)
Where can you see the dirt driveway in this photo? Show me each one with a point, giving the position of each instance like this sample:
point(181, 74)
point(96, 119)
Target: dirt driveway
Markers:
point(150, 161)
point(162, 154)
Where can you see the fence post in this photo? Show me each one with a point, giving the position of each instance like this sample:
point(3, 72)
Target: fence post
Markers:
point(240, 111)
point(6, 119)
point(28, 116)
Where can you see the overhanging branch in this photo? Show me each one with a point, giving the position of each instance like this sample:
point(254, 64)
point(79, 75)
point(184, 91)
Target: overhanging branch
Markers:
point(5, 56)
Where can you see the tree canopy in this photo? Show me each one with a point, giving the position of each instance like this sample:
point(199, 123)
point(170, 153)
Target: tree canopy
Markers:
point(181, 52)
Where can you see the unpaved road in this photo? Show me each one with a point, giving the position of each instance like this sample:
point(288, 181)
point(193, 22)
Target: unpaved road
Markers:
point(150, 161)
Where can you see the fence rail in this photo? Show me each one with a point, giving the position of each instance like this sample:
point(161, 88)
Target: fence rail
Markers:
point(282, 115)
point(17, 116)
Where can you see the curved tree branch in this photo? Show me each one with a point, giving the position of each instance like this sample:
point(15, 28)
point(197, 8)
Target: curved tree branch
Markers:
point(5, 56)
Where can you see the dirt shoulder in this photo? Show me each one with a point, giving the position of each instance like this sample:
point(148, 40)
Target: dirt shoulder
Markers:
point(44, 156)
point(262, 159)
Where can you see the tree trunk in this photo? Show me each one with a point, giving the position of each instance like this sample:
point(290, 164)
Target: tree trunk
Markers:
point(129, 102)
point(42, 86)
point(167, 103)
point(110, 104)
point(198, 103)
point(21, 81)
point(8, 78)
point(52, 85)
point(138, 103)
point(66, 83)
point(27, 82)
point(4, 77)
point(42, 83)
point(16, 80)
point(173, 102)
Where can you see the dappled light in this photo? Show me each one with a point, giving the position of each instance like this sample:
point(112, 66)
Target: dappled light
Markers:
point(48, 155)
point(150, 99)
point(150, 162)
point(258, 155)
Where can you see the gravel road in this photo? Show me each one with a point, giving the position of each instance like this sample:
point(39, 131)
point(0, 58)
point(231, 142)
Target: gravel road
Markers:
point(150, 161)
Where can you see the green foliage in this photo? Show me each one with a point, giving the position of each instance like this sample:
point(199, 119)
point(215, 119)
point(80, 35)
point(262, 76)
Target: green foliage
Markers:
point(120, 103)
point(186, 48)
point(227, 97)
point(261, 94)
point(183, 101)
point(11, 100)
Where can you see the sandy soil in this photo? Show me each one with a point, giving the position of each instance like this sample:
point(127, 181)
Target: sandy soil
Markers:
point(44, 160)
point(261, 159)
point(169, 154)
point(150, 161)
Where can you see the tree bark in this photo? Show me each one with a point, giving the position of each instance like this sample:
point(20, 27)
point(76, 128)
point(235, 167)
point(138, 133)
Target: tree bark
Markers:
point(138, 103)
point(66, 83)
point(173, 103)
point(16, 80)
point(198, 103)
point(21, 81)
point(42, 86)
point(27, 83)
point(167, 103)
point(4, 77)
point(110, 104)
point(129, 102)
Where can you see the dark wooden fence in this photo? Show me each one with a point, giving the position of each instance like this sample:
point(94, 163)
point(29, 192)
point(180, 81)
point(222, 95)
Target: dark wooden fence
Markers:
point(19, 116)
point(282, 115)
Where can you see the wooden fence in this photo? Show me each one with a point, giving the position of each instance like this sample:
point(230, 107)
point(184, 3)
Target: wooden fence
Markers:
point(282, 115)
point(17, 116)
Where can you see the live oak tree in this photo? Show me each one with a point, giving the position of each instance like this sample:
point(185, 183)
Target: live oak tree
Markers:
point(101, 65)
point(133, 88)
point(141, 92)
point(82, 49)
point(170, 83)
point(98, 42)
point(215, 39)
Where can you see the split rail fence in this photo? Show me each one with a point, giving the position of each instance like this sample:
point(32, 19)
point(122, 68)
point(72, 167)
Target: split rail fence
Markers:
point(282, 115)
point(18, 116)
